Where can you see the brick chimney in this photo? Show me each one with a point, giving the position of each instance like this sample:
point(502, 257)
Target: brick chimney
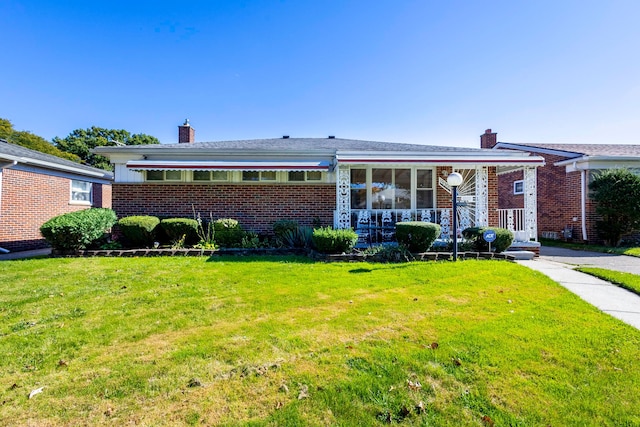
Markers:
point(186, 134)
point(488, 139)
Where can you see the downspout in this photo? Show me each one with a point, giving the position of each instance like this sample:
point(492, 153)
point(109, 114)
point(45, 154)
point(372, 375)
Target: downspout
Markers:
point(3, 166)
point(583, 202)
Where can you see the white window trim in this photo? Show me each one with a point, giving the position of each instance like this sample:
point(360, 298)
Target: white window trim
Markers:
point(515, 187)
point(72, 201)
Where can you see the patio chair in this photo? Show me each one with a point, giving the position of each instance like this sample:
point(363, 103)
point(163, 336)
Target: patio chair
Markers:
point(363, 229)
point(387, 232)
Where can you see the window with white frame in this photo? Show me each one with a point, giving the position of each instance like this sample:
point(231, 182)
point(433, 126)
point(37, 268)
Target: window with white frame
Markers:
point(255, 176)
point(390, 188)
point(518, 187)
point(210, 175)
point(81, 192)
point(164, 175)
point(424, 189)
point(301, 176)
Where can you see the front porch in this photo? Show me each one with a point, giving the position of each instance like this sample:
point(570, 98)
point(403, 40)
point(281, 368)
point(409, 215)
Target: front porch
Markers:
point(371, 199)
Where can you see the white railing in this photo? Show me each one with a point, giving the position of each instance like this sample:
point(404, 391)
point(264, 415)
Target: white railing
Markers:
point(511, 219)
point(382, 219)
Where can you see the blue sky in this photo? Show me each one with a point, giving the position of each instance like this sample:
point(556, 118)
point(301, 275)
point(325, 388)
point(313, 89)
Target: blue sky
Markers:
point(430, 72)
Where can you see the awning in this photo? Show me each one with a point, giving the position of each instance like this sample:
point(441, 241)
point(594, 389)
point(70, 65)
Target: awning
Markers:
point(201, 165)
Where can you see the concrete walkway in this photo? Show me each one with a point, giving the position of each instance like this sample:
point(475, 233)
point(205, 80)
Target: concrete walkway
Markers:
point(559, 264)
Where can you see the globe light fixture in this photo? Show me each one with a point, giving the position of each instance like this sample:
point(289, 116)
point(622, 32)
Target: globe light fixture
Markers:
point(455, 180)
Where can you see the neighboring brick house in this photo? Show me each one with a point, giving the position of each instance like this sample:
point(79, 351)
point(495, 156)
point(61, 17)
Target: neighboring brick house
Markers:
point(35, 187)
point(565, 210)
point(327, 181)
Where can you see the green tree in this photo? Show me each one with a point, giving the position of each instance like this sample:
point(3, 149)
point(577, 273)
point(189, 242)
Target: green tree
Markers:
point(81, 141)
point(31, 141)
point(617, 196)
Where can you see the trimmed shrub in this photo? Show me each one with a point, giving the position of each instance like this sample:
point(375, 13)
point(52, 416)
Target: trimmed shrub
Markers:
point(504, 238)
point(78, 230)
point(139, 231)
point(417, 236)
point(330, 241)
point(176, 228)
point(228, 233)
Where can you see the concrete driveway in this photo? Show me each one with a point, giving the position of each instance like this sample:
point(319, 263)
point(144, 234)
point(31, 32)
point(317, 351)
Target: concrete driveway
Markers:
point(624, 263)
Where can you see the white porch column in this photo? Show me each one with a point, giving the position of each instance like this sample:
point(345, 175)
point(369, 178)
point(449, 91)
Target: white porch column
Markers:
point(343, 197)
point(530, 202)
point(482, 196)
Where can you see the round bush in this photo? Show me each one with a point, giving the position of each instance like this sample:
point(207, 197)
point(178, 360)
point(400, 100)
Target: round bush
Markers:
point(228, 233)
point(504, 238)
point(78, 230)
point(176, 228)
point(330, 241)
point(417, 236)
point(139, 231)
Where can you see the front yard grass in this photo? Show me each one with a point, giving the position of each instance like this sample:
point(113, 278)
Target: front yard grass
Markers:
point(286, 341)
point(628, 281)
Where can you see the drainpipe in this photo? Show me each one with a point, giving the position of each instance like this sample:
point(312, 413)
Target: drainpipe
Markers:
point(583, 202)
point(3, 166)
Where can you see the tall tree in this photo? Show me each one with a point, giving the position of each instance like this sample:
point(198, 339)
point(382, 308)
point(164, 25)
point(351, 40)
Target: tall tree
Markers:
point(617, 194)
point(31, 141)
point(81, 141)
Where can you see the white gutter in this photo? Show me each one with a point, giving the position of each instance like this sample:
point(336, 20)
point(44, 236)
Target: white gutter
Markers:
point(56, 166)
point(583, 203)
point(3, 166)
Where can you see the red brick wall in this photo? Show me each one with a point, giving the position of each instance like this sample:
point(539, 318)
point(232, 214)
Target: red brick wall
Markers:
point(30, 199)
point(558, 199)
point(506, 198)
point(256, 207)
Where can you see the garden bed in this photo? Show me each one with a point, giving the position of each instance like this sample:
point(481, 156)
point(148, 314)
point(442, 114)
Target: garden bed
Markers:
point(355, 257)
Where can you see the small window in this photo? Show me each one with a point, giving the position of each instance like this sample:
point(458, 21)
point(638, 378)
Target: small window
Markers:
point(164, 175)
point(172, 175)
point(81, 192)
point(314, 176)
point(296, 176)
point(301, 176)
point(518, 187)
point(259, 176)
point(210, 176)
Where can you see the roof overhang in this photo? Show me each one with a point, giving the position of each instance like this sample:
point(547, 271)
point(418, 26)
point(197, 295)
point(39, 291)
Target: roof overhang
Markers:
point(599, 162)
point(14, 160)
point(244, 165)
point(442, 159)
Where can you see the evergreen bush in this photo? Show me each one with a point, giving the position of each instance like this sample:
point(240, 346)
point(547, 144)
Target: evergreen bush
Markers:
point(504, 238)
point(417, 236)
point(177, 228)
point(228, 233)
point(78, 230)
point(139, 231)
point(330, 241)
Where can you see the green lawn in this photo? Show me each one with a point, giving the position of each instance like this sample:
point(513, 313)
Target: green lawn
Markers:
point(628, 281)
point(286, 341)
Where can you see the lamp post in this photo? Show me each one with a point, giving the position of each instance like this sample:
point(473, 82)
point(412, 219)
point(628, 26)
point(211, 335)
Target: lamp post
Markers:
point(454, 180)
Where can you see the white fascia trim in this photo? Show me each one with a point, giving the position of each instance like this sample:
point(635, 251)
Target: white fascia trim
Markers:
point(228, 165)
point(56, 166)
point(442, 159)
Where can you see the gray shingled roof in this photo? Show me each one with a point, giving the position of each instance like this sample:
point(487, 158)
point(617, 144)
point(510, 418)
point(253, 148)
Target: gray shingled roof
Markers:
point(576, 150)
point(283, 144)
point(25, 155)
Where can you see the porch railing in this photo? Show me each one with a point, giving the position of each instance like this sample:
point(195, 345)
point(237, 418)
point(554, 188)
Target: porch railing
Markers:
point(378, 218)
point(511, 219)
